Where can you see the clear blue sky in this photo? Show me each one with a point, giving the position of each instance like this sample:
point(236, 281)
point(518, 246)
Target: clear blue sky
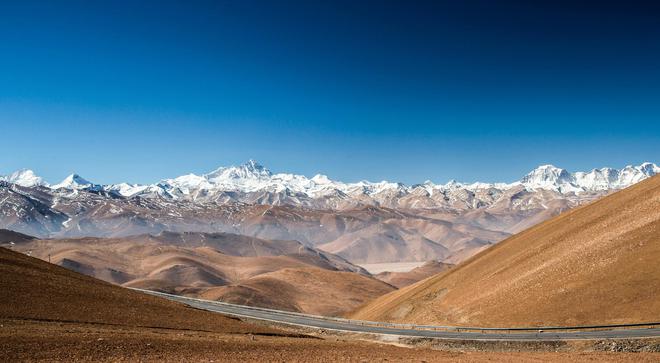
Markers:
point(470, 90)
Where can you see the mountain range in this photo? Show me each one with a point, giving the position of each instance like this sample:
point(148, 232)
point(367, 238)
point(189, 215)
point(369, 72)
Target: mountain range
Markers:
point(248, 182)
point(363, 222)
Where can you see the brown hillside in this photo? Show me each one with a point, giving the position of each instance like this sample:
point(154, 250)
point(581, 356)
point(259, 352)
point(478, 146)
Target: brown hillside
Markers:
point(311, 290)
point(7, 236)
point(597, 264)
point(33, 289)
point(51, 314)
point(403, 279)
point(239, 266)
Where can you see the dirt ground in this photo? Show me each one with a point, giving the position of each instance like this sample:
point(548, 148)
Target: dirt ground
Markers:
point(48, 313)
point(29, 340)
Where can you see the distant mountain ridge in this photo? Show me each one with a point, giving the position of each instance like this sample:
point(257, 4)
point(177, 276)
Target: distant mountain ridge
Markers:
point(253, 177)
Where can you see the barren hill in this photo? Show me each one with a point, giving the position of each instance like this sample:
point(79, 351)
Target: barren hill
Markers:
point(312, 290)
point(597, 264)
point(33, 289)
point(241, 267)
point(9, 237)
point(403, 279)
point(49, 313)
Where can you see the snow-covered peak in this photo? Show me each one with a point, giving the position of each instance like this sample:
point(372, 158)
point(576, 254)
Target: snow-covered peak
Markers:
point(553, 178)
point(24, 178)
point(546, 175)
point(189, 182)
point(240, 182)
point(249, 170)
point(126, 189)
point(73, 182)
point(649, 168)
point(253, 177)
point(320, 179)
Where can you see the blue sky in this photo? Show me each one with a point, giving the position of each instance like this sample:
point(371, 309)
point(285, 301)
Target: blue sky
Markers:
point(439, 90)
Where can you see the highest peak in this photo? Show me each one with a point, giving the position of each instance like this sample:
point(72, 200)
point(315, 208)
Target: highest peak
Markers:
point(253, 165)
point(248, 170)
point(547, 167)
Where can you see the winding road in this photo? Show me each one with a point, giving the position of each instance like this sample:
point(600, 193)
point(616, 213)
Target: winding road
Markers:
point(406, 330)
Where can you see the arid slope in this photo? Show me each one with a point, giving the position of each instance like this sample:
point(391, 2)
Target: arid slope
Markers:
point(594, 264)
point(403, 279)
point(33, 289)
point(234, 268)
point(49, 313)
point(312, 290)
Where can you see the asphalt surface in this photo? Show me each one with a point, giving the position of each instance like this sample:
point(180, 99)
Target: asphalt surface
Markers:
point(284, 317)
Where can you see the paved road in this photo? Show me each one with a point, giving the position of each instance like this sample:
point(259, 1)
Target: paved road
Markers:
point(369, 327)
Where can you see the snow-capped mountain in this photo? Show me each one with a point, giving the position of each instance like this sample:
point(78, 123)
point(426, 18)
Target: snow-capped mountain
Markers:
point(552, 178)
point(75, 182)
point(252, 177)
point(24, 178)
point(254, 183)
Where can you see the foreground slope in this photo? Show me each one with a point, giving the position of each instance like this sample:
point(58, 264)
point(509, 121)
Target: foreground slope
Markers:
point(597, 264)
point(48, 313)
point(36, 290)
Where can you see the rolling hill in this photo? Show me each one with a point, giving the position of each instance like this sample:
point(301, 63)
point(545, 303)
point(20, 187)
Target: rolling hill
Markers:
point(49, 313)
point(36, 290)
point(312, 290)
point(249, 270)
point(596, 264)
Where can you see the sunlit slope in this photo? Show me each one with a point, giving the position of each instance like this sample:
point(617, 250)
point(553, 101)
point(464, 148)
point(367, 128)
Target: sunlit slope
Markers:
point(599, 263)
point(312, 290)
point(36, 290)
